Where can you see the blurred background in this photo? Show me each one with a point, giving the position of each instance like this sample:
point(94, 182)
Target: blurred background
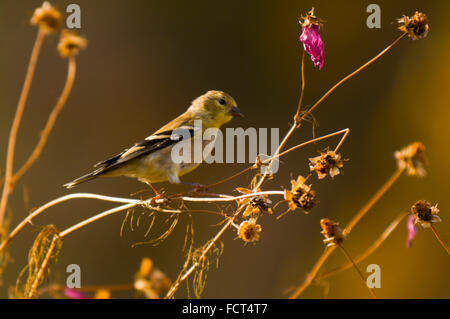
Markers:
point(147, 60)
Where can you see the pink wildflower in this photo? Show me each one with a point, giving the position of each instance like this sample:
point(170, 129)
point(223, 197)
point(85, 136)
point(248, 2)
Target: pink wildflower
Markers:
point(412, 230)
point(311, 39)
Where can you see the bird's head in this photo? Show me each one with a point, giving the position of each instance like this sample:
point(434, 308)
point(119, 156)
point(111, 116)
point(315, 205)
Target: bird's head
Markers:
point(215, 108)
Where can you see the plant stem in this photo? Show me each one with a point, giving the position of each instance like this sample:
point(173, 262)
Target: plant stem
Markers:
point(379, 55)
point(300, 102)
point(346, 231)
point(347, 255)
point(50, 122)
point(313, 272)
point(372, 201)
point(440, 239)
point(8, 185)
point(368, 251)
point(43, 267)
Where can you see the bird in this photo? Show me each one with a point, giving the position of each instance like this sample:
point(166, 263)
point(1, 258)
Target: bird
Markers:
point(150, 161)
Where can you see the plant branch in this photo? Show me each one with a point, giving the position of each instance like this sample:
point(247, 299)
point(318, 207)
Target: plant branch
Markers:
point(8, 185)
point(347, 255)
point(447, 249)
point(50, 122)
point(368, 251)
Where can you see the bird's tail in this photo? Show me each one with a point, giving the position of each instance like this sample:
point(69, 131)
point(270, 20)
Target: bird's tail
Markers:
point(80, 180)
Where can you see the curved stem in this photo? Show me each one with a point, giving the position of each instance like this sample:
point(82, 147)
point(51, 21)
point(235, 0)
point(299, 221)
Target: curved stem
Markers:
point(300, 102)
point(50, 122)
point(8, 185)
point(59, 200)
point(368, 251)
point(205, 251)
point(379, 55)
point(346, 231)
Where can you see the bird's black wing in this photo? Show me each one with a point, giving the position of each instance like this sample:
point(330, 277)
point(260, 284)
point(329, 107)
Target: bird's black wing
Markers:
point(151, 144)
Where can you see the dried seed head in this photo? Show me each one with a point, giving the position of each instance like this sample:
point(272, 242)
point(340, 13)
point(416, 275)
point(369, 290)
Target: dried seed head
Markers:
point(416, 26)
point(412, 159)
point(255, 205)
point(332, 232)
point(425, 214)
point(47, 17)
point(249, 231)
point(300, 195)
point(150, 281)
point(70, 43)
point(326, 163)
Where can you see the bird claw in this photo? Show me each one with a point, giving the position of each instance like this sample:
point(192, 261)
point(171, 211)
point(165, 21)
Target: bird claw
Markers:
point(196, 188)
point(161, 198)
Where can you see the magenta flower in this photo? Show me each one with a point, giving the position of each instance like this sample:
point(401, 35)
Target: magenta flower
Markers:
point(311, 39)
point(74, 294)
point(412, 230)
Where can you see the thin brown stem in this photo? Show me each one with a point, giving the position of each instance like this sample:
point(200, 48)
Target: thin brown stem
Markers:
point(312, 273)
point(346, 231)
point(440, 239)
point(50, 122)
point(379, 55)
point(205, 251)
point(300, 102)
point(372, 201)
point(347, 255)
point(345, 131)
point(8, 185)
point(45, 263)
point(368, 251)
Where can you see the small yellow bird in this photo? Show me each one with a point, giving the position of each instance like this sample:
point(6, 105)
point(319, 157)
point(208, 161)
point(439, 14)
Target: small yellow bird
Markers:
point(150, 161)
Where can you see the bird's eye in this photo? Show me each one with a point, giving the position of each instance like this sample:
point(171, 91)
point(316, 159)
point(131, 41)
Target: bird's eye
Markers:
point(222, 101)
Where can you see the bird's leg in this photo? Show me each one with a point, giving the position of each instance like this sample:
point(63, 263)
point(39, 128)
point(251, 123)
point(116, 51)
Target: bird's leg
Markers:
point(196, 187)
point(158, 194)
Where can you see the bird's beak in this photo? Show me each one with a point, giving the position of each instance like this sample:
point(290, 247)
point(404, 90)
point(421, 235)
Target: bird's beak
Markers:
point(235, 112)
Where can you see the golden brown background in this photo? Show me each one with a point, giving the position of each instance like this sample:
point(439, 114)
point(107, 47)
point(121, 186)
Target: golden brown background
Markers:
point(147, 60)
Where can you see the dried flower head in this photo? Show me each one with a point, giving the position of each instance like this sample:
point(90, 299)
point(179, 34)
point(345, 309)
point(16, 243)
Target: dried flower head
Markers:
point(150, 281)
point(255, 205)
point(47, 17)
point(412, 158)
point(416, 26)
point(412, 230)
point(311, 39)
point(249, 231)
point(326, 163)
point(70, 43)
point(300, 195)
point(425, 214)
point(332, 232)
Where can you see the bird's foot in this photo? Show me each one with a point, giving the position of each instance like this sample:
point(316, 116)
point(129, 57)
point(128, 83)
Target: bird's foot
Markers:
point(159, 199)
point(196, 187)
